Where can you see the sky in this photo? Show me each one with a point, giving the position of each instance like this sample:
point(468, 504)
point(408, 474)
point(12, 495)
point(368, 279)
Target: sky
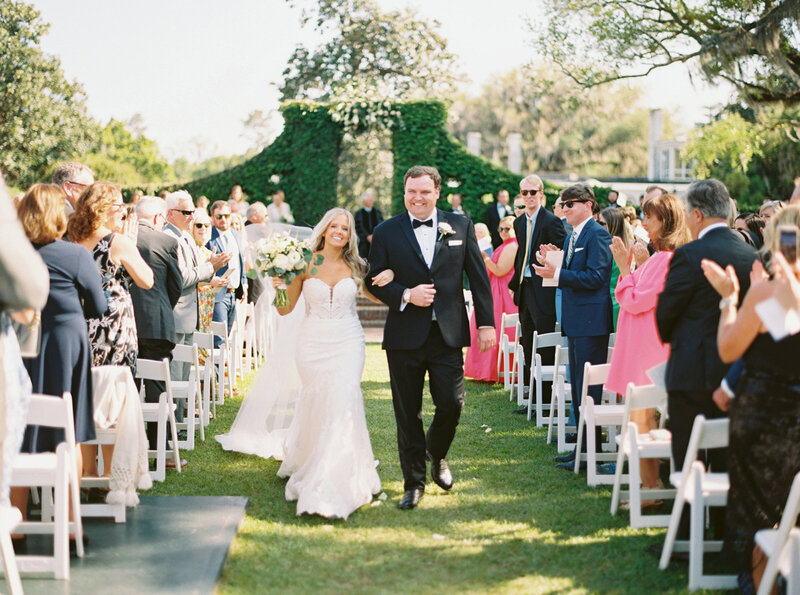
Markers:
point(194, 69)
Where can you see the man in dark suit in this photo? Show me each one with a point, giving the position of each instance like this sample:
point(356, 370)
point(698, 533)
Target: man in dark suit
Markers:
point(429, 250)
point(494, 213)
point(687, 313)
point(537, 304)
point(584, 278)
point(153, 308)
point(367, 219)
point(457, 201)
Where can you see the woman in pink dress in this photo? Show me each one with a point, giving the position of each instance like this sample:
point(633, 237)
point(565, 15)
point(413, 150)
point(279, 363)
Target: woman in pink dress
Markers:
point(638, 347)
point(500, 266)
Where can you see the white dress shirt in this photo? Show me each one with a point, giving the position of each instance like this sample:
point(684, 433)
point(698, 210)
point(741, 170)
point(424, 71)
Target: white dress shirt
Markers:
point(705, 230)
point(577, 231)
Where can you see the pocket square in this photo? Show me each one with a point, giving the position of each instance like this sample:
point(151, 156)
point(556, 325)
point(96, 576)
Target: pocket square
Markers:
point(454, 242)
point(579, 249)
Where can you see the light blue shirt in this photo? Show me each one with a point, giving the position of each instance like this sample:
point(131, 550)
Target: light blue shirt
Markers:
point(532, 257)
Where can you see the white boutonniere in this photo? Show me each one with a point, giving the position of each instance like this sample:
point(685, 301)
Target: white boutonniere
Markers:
point(445, 229)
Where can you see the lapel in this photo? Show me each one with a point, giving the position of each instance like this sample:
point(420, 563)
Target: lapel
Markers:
point(536, 232)
point(408, 231)
point(581, 240)
point(441, 216)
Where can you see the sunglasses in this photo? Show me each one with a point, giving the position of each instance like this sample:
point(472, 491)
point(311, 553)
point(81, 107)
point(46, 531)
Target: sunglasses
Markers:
point(520, 208)
point(568, 204)
point(531, 192)
point(504, 228)
point(188, 213)
point(201, 225)
point(222, 216)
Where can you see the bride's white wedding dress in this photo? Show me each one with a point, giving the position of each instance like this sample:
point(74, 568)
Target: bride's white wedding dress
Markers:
point(325, 448)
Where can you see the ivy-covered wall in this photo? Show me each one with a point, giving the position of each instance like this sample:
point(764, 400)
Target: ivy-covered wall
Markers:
point(303, 160)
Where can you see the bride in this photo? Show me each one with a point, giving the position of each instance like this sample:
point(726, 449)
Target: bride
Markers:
point(314, 421)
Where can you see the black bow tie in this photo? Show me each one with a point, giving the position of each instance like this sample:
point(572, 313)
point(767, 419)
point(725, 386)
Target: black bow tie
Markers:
point(416, 223)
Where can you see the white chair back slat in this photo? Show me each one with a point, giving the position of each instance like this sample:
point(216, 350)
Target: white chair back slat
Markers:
point(780, 539)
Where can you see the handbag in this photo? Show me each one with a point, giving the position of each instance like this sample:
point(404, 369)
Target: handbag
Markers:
point(29, 336)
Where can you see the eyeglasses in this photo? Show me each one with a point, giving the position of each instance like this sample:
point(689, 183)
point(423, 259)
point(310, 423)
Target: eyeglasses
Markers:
point(222, 216)
point(78, 184)
point(568, 204)
point(531, 192)
point(519, 208)
point(187, 213)
point(201, 225)
point(603, 223)
point(504, 229)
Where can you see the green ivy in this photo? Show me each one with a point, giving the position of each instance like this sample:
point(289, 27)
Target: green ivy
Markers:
point(303, 162)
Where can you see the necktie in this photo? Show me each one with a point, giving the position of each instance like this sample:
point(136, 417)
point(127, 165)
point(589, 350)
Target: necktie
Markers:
point(571, 247)
point(417, 223)
point(529, 230)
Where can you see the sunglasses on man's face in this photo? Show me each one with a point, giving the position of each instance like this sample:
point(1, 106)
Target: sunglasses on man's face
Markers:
point(222, 216)
point(187, 213)
point(519, 207)
point(527, 192)
point(568, 204)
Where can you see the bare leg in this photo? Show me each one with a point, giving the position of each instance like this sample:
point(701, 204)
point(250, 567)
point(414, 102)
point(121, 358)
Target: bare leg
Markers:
point(89, 454)
point(645, 420)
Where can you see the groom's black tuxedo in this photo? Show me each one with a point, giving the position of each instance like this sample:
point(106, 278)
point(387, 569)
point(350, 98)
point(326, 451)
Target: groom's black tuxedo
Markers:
point(415, 343)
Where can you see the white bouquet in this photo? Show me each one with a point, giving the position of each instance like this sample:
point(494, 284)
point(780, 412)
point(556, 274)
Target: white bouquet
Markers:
point(285, 257)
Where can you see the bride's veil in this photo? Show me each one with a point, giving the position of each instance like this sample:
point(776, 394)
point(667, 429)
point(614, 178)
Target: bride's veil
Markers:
point(268, 408)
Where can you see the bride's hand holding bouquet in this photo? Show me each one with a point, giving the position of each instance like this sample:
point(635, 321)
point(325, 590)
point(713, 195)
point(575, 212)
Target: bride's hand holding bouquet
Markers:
point(283, 258)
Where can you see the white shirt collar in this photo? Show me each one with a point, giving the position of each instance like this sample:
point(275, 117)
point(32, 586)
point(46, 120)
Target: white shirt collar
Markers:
point(579, 228)
point(534, 216)
point(705, 230)
point(433, 218)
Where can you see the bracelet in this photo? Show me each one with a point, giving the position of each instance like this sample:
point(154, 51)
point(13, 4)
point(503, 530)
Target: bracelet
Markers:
point(728, 301)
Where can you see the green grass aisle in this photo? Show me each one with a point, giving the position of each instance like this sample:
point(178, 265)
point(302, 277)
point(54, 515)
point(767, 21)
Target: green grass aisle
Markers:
point(513, 523)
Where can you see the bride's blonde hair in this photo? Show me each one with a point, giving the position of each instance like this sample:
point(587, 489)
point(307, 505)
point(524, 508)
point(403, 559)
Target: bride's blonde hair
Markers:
point(350, 250)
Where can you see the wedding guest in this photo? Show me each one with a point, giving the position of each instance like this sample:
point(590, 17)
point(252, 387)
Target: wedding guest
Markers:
point(136, 196)
point(500, 267)
point(367, 218)
point(638, 347)
point(768, 210)
point(101, 225)
point(72, 177)
point(203, 202)
point(201, 233)
point(751, 226)
point(613, 219)
point(764, 451)
point(496, 211)
point(76, 292)
point(613, 199)
point(519, 205)
point(256, 213)
point(236, 195)
point(457, 203)
point(484, 238)
point(278, 210)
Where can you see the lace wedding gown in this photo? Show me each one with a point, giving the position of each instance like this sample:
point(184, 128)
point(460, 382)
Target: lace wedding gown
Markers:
point(326, 450)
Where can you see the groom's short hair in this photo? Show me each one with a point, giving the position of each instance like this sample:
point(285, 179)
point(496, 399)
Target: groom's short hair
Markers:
point(424, 170)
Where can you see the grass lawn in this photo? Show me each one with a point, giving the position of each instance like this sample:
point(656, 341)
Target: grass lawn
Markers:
point(512, 524)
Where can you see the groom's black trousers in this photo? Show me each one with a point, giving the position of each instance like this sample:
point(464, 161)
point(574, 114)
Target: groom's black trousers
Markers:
point(407, 368)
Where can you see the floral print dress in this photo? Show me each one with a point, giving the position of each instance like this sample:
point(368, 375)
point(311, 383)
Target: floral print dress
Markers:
point(113, 337)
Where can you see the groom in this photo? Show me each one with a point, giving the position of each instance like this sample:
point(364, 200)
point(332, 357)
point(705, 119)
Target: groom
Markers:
point(427, 327)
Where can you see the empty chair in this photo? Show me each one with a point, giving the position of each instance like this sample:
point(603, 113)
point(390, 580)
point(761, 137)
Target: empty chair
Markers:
point(160, 413)
point(507, 348)
point(782, 546)
point(223, 360)
point(542, 373)
point(191, 392)
point(561, 395)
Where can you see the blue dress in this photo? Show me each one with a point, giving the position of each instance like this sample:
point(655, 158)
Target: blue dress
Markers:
point(65, 360)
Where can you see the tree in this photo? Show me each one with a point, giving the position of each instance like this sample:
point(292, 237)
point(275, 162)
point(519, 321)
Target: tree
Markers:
point(755, 45)
point(400, 49)
point(43, 117)
point(260, 128)
point(600, 132)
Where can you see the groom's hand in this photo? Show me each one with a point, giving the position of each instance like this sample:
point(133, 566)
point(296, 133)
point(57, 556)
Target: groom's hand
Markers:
point(422, 295)
point(486, 338)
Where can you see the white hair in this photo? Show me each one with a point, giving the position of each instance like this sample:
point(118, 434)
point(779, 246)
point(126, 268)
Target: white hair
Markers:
point(173, 199)
point(150, 206)
point(256, 207)
point(68, 170)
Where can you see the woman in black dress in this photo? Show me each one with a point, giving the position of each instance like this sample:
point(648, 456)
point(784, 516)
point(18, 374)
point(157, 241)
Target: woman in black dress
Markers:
point(764, 451)
point(65, 359)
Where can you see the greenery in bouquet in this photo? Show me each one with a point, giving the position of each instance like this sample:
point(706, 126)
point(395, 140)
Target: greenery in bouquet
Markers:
point(284, 257)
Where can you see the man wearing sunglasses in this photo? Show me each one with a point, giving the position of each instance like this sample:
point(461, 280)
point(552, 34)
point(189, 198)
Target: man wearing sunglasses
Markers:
point(534, 227)
point(180, 216)
point(226, 240)
point(584, 278)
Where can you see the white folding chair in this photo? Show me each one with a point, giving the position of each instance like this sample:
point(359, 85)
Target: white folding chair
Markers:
point(700, 489)
point(159, 413)
point(10, 517)
point(224, 360)
point(506, 349)
point(541, 373)
point(517, 385)
point(594, 416)
point(208, 374)
point(190, 391)
point(634, 447)
point(561, 395)
point(57, 472)
point(252, 361)
point(782, 546)
point(237, 339)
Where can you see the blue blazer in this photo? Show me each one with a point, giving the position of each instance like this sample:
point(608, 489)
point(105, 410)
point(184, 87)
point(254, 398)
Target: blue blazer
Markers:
point(586, 309)
point(216, 242)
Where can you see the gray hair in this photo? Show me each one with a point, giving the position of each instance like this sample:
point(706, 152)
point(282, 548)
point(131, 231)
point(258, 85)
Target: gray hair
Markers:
point(532, 179)
point(256, 207)
point(68, 171)
point(710, 197)
point(150, 206)
point(173, 199)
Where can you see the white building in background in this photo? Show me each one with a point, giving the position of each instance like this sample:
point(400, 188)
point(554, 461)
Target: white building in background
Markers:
point(664, 160)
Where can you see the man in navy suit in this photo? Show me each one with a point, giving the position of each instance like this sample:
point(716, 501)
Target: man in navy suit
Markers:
point(225, 239)
point(584, 278)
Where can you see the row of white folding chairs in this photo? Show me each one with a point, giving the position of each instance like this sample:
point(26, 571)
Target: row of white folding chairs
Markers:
point(507, 349)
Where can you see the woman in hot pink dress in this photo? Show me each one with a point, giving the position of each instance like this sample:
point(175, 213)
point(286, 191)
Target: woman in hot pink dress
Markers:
point(500, 266)
point(638, 347)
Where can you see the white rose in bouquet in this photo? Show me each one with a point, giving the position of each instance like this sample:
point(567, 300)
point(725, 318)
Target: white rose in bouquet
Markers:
point(294, 258)
point(285, 257)
point(281, 261)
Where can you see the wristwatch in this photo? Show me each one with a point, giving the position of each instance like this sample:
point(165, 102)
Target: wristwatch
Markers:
point(406, 295)
point(725, 302)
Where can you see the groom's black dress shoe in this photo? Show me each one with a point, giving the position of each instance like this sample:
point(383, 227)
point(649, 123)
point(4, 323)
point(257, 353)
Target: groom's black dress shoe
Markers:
point(440, 473)
point(410, 499)
point(567, 458)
